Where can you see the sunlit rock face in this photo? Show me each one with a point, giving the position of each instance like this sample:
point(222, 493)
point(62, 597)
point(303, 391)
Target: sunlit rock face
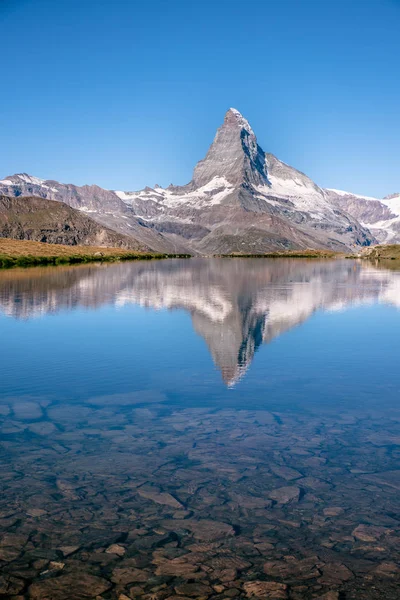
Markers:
point(235, 305)
point(234, 155)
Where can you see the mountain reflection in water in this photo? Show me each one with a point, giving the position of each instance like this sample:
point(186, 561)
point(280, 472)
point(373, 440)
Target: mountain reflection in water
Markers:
point(235, 304)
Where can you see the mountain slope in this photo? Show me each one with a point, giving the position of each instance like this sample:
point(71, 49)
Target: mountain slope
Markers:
point(101, 205)
point(43, 220)
point(381, 217)
point(242, 199)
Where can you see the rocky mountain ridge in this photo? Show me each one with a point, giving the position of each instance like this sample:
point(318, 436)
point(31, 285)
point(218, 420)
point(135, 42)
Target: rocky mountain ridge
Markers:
point(102, 206)
point(240, 199)
point(41, 220)
point(380, 216)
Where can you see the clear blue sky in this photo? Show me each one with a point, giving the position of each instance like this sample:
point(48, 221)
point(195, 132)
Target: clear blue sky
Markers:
point(128, 93)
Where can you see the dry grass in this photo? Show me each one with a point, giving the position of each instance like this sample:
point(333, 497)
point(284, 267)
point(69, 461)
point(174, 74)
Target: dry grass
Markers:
point(389, 252)
point(26, 253)
point(309, 253)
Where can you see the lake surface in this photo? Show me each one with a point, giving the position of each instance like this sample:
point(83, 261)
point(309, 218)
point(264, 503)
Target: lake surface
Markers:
point(203, 428)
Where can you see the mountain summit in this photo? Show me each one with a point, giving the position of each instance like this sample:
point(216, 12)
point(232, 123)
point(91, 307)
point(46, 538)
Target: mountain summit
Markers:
point(234, 155)
point(240, 199)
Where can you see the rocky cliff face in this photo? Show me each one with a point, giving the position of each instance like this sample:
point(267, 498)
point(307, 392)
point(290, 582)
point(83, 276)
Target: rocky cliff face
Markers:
point(380, 216)
point(240, 199)
point(43, 220)
point(234, 155)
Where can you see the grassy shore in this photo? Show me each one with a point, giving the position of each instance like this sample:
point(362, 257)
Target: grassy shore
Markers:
point(390, 252)
point(309, 253)
point(21, 253)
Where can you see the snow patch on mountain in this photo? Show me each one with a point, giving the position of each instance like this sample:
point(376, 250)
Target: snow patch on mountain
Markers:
point(298, 191)
point(393, 204)
point(344, 193)
point(209, 194)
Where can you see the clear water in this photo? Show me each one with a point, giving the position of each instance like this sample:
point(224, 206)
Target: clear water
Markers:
point(204, 428)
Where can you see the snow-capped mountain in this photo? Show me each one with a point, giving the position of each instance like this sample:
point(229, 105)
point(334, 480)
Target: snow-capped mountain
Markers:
point(243, 199)
point(101, 205)
point(380, 216)
point(240, 199)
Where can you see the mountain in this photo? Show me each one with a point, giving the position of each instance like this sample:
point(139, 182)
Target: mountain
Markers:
point(243, 200)
point(101, 205)
point(380, 216)
point(235, 306)
point(41, 220)
point(240, 199)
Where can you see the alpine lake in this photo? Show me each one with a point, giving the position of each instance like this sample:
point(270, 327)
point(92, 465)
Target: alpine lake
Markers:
point(200, 428)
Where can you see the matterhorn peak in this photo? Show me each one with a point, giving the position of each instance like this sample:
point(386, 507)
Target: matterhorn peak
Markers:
point(233, 155)
point(234, 117)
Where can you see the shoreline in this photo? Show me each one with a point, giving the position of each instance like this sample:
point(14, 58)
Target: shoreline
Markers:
point(309, 253)
point(26, 253)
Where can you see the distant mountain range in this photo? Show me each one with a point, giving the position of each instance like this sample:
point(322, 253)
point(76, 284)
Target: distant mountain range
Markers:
point(380, 217)
point(240, 199)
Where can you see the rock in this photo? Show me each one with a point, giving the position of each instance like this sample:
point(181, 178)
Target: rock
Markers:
point(328, 596)
point(284, 495)
point(333, 511)
point(250, 501)
point(285, 472)
point(116, 549)
point(265, 589)
point(193, 590)
point(68, 550)
point(369, 533)
point(10, 585)
point(36, 512)
point(27, 410)
point(335, 573)
point(176, 568)
point(160, 498)
point(53, 566)
point(124, 575)
point(203, 529)
point(11, 546)
point(388, 569)
point(77, 585)
point(226, 575)
point(56, 565)
point(42, 428)
point(291, 568)
point(231, 593)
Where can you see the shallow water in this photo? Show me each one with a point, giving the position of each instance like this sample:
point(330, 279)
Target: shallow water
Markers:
point(216, 428)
